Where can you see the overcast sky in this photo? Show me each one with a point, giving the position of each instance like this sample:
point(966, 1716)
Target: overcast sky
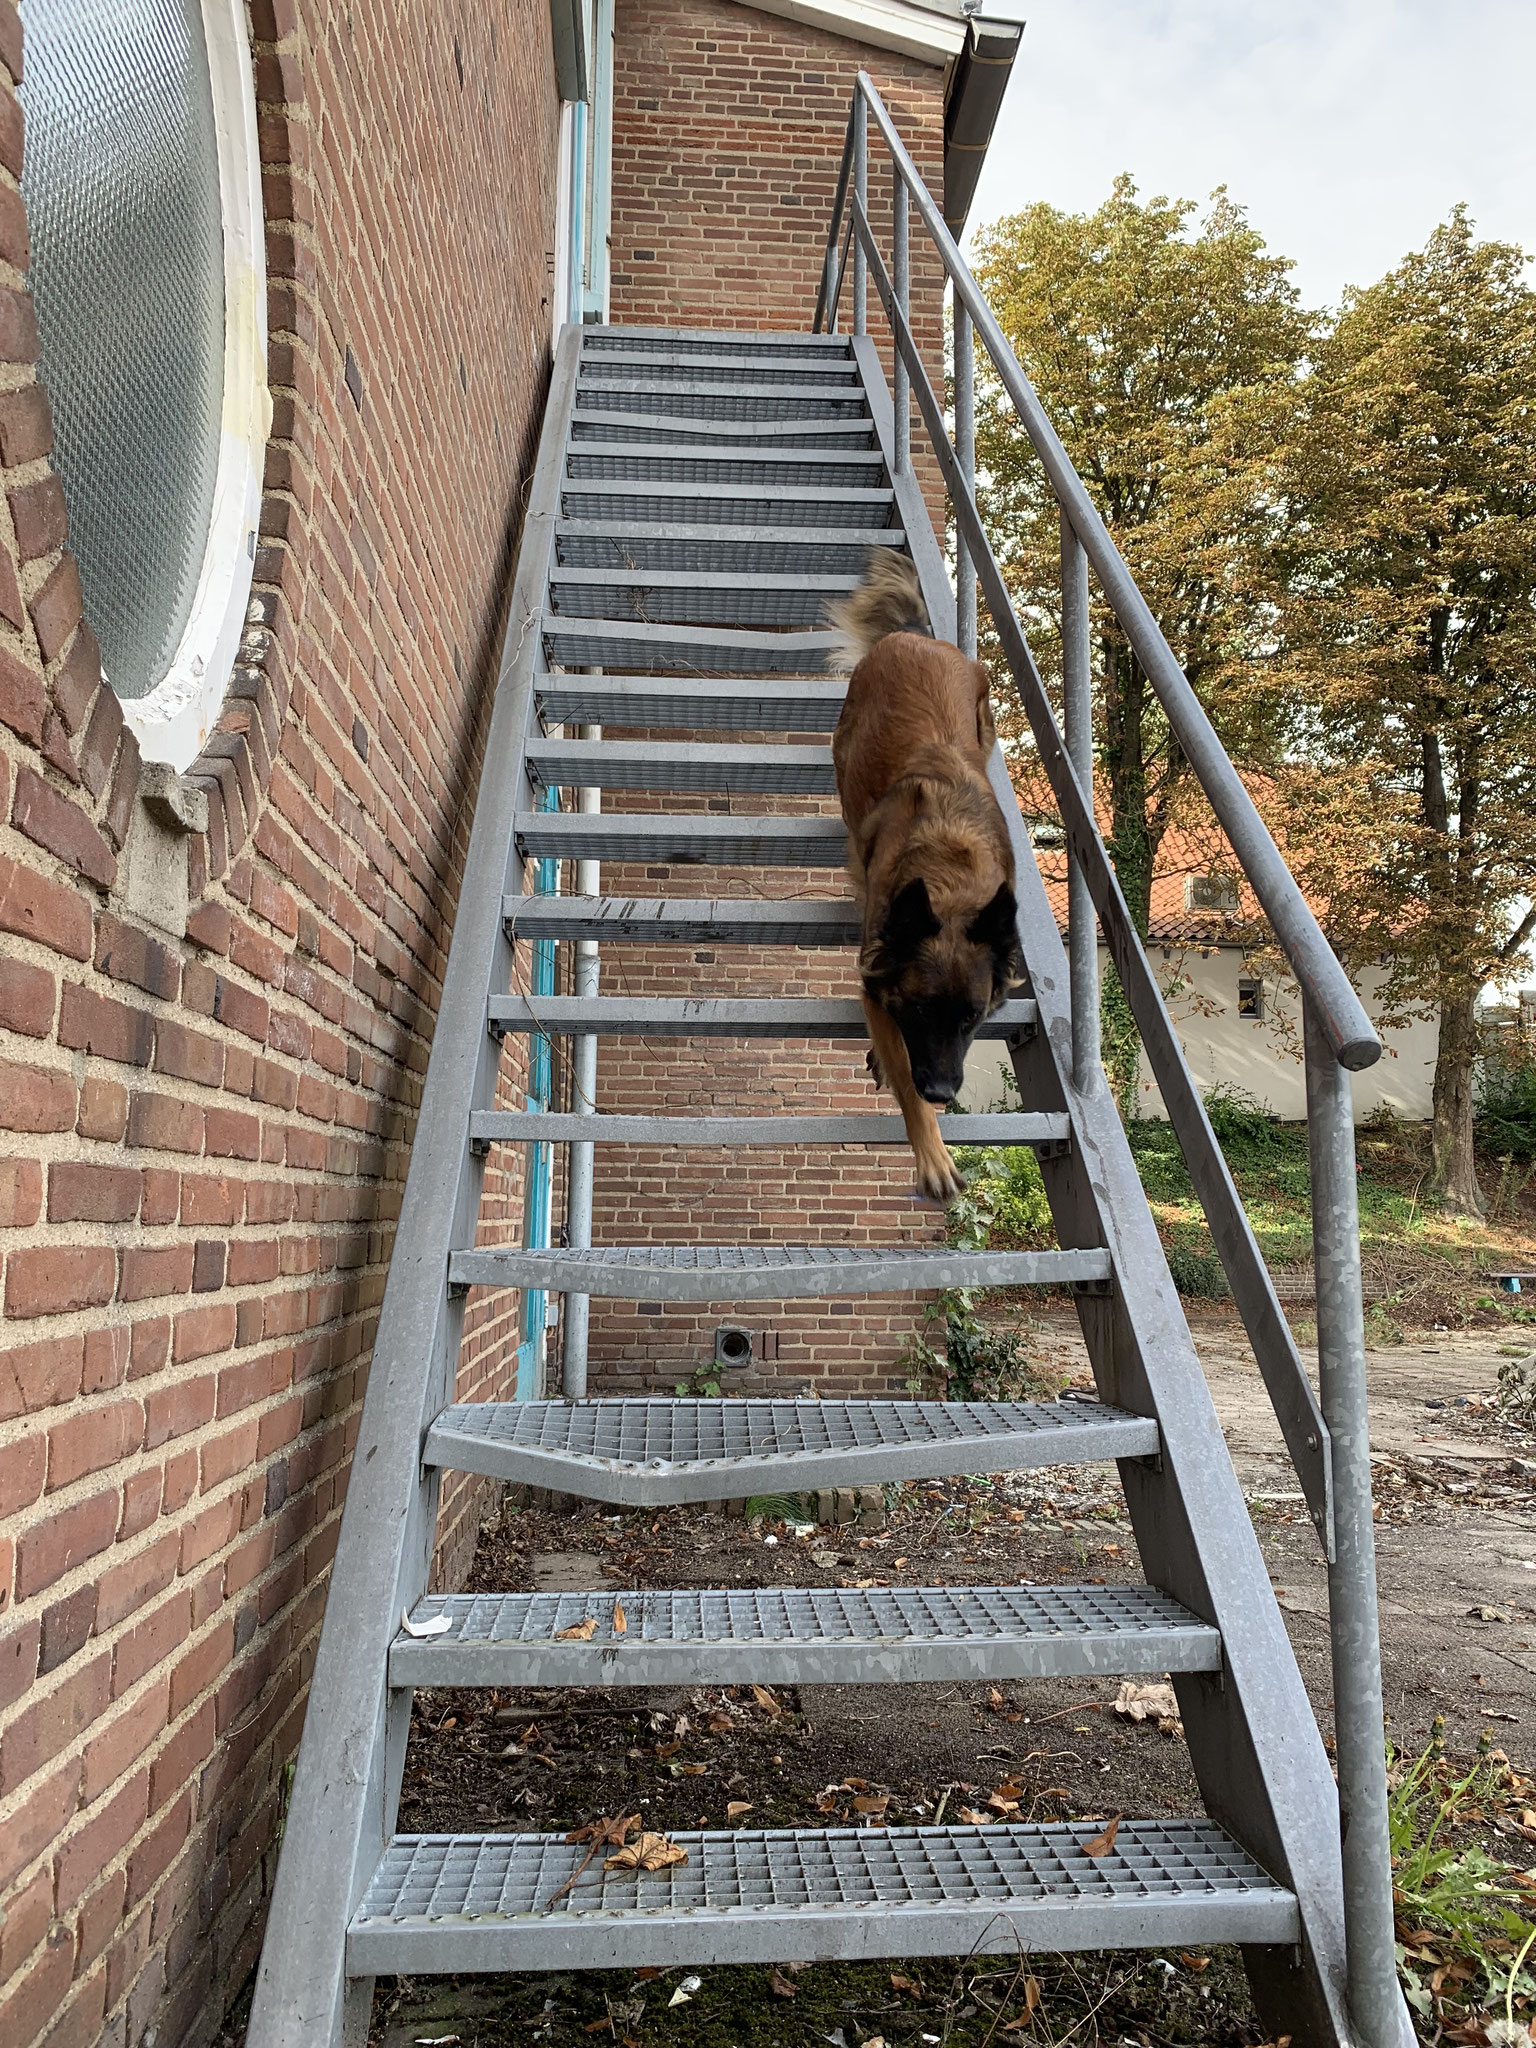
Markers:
point(1347, 128)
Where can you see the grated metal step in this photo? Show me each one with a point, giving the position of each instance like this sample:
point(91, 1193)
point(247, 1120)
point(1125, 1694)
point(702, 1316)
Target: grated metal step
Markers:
point(443, 1903)
point(798, 1635)
point(820, 1017)
point(682, 462)
point(653, 342)
point(687, 597)
point(715, 705)
point(686, 1133)
point(720, 550)
point(610, 643)
point(638, 428)
point(766, 1272)
point(683, 398)
point(644, 1454)
point(681, 764)
point(706, 837)
point(686, 920)
point(793, 366)
point(726, 505)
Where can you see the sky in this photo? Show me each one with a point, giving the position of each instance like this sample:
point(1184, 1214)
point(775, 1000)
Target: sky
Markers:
point(1347, 130)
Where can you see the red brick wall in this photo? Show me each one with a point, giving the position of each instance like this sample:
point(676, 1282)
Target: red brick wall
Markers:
point(206, 1137)
point(728, 131)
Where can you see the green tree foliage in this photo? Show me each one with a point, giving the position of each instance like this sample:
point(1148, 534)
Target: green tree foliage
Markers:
point(1165, 351)
point(1410, 624)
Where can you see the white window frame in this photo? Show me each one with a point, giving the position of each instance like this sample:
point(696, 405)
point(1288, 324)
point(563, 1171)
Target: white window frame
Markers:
point(172, 721)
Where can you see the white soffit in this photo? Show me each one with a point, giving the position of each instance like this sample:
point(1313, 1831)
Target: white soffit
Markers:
point(922, 32)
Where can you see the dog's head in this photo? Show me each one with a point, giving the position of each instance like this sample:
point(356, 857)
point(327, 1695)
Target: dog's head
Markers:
point(937, 978)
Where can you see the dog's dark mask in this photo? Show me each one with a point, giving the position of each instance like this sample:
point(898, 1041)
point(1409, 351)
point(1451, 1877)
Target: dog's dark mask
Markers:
point(938, 980)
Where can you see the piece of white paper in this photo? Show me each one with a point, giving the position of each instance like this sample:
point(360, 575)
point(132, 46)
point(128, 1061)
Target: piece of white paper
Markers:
point(438, 1625)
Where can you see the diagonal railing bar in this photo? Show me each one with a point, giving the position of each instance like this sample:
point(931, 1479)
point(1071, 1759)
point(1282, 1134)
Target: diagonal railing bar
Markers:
point(1274, 1347)
point(1332, 1458)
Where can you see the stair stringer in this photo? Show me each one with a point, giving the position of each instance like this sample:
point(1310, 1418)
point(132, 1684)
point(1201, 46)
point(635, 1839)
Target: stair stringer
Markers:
point(1253, 1740)
point(346, 1787)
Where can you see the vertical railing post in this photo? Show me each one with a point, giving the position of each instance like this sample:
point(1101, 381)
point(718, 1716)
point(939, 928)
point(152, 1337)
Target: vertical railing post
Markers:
point(1077, 705)
point(901, 394)
point(1375, 2003)
point(861, 193)
point(578, 1197)
point(965, 455)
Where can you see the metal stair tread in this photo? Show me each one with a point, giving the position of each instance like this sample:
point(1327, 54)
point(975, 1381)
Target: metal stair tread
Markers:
point(681, 764)
point(682, 1133)
point(709, 838)
point(838, 461)
point(637, 428)
point(636, 1452)
point(830, 362)
point(810, 1635)
point(671, 381)
point(687, 920)
point(714, 1016)
point(765, 1272)
point(441, 1903)
point(695, 548)
point(715, 704)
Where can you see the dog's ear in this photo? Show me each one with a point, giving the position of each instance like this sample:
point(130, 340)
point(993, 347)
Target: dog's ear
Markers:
point(909, 919)
point(994, 924)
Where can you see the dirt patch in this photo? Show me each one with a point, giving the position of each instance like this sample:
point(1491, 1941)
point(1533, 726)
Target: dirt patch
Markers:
point(1457, 1548)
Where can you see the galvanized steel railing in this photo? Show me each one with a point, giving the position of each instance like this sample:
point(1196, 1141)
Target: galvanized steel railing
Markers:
point(1328, 1442)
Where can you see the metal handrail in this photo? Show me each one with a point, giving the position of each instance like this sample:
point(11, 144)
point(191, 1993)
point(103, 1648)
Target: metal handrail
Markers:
point(1318, 971)
point(1330, 1445)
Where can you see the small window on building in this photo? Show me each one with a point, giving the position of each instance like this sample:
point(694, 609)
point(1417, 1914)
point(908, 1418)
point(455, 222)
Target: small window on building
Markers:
point(143, 194)
point(1250, 999)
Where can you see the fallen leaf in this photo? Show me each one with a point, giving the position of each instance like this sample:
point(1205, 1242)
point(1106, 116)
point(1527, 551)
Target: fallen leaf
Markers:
point(579, 1632)
point(620, 1621)
point(825, 1558)
point(1102, 1844)
point(766, 1700)
point(855, 1784)
point(695, 1770)
point(605, 2024)
point(679, 1997)
point(874, 1802)
point(779, 1984)
point(1194, 1962)
point(735, 1808)
point(973, 1818)
point(1031, 1993)
point(602, 1833)
point(438, 1625)
point(721, 1722)
point(1479, 1613)
point(648, 1852)
point(1155, 1703)
point(909, 1984)
point(647, 1974)
point(825, 1801)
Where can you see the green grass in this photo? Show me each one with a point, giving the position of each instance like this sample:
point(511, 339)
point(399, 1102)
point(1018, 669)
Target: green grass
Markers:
point(1465, 1914)
point(1423, 1255)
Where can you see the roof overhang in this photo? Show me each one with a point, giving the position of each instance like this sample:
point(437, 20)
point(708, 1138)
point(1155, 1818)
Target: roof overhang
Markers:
point(934, 35)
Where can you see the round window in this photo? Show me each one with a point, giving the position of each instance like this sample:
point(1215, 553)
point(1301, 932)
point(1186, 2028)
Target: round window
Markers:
point(142, 184)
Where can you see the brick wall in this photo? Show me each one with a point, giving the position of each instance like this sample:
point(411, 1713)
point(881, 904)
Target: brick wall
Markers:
point(206, 1135)
point(728, 131)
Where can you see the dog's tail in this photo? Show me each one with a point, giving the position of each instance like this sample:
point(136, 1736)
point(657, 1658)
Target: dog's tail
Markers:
point(889, 600)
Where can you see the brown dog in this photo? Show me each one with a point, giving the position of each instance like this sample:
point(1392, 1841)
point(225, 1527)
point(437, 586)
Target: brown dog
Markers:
point(928, 851)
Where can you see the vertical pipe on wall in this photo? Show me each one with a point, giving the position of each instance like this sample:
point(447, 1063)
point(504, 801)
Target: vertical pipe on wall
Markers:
point(1375, 2003)
point(965, 455)
point(578, 1201)
point(1077, 705)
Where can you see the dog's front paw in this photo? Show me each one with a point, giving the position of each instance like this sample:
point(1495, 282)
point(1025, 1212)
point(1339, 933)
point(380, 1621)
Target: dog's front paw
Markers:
point(938, 1177)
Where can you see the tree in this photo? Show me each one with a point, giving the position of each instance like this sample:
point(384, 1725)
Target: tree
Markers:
point(1166, 359)
point(1411, 623)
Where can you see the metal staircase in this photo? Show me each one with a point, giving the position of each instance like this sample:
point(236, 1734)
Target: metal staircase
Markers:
point(698, 497)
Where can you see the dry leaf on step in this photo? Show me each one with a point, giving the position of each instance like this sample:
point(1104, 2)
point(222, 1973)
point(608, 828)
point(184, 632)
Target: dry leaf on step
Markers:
point(1102, 1844)
point(620, 1619)
point(579, 1632)
point(648, 1852)
point(735, 1808)
point(781, 1987)
point(766, 1700)
point(974, 1819)
point(872, 1803)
